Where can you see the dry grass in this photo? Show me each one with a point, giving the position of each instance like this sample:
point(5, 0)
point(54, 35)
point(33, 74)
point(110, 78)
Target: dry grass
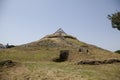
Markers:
point(48, 54)
point(37, 63)
point(60, 71)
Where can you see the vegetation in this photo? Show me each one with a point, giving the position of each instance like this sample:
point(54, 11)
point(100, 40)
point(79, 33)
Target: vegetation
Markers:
point(115, 20)
point(118, 51)
point(35, 61)
point(60, 71)
point(25, 54)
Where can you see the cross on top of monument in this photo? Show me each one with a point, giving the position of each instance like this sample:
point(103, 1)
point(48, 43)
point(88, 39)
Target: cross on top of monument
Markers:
point(60, 32)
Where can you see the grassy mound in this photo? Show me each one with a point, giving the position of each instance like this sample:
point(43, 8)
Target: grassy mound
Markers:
point(37, 61)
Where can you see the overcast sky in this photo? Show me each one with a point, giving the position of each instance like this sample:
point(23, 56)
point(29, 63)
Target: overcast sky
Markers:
point(24, 21)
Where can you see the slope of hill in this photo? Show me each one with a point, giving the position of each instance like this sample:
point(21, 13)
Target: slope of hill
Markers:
point(49, 47)
point(37, 57)
point(78, 50)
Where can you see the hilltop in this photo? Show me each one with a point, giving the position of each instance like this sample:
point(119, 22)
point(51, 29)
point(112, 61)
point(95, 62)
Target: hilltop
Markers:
point(49, 47)
point(79, 50)
point(35, 60)
point(57, 39)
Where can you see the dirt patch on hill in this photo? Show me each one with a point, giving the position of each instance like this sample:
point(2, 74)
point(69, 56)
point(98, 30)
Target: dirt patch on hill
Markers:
point(7, 63)
point(10, 70)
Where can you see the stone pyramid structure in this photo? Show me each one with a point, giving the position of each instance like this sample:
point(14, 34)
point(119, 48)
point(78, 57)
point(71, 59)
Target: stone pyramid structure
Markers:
point(60, 32)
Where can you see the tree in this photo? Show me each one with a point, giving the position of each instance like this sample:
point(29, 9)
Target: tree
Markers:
point(118, 51)
point(115, 20)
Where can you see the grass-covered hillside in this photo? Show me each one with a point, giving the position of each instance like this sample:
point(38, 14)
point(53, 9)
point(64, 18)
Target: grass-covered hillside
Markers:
point(48, 48)
point(44, 70)
point(36, 60)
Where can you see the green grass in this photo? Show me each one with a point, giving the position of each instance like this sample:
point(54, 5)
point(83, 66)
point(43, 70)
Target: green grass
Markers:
point(37, 64)
point(48, 54)
point(62, 71)
point(28, 55)
point(90, 72)
point(76, 42)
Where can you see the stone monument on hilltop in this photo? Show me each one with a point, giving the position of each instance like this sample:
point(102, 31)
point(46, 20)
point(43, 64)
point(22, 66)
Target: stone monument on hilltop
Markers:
point(60, 32)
